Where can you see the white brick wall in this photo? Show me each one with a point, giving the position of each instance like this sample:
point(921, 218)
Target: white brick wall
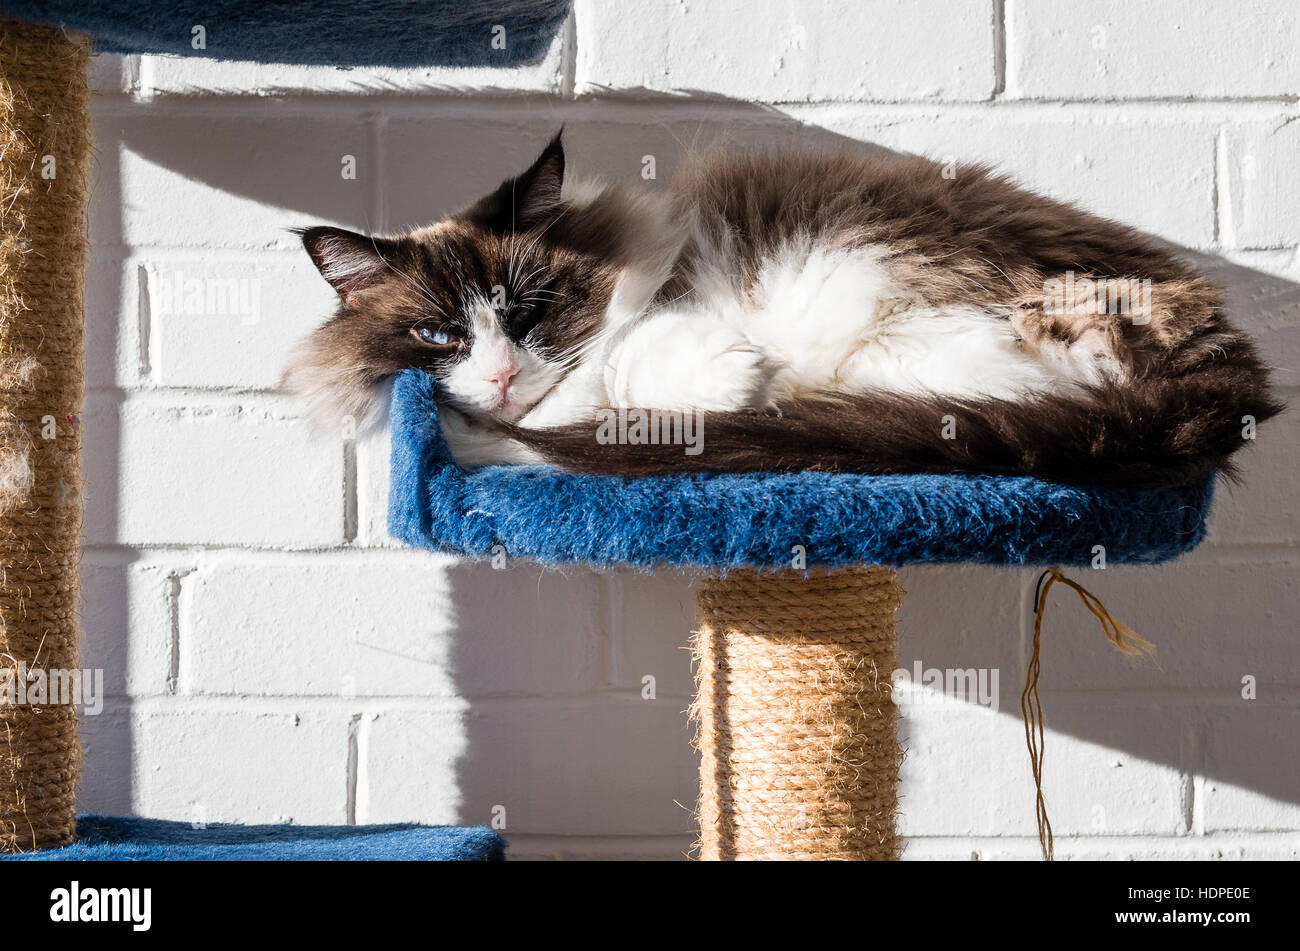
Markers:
point(272, 655)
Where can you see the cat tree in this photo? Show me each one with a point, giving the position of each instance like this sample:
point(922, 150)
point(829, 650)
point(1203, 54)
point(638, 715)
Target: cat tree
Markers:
point(796, 642)
point(794, 719)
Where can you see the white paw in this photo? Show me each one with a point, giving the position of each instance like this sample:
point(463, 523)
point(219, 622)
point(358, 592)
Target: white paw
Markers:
point(683, 362)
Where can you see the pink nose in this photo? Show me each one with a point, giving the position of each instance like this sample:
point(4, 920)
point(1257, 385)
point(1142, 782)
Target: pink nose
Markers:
point(502, 376)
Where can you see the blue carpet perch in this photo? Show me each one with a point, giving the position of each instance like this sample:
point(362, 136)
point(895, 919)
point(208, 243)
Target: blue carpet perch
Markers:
point(755, 519)
point(104, 839)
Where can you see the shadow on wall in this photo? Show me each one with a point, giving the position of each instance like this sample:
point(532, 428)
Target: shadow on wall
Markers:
point(552, 722)
point(107, 617)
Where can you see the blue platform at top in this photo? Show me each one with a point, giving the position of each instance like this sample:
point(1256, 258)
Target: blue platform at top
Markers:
point(756, 519)
point(318, 32)
point(130, 839)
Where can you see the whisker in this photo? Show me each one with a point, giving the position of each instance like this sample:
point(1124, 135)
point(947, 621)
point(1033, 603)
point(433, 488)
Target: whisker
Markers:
point(524, 283)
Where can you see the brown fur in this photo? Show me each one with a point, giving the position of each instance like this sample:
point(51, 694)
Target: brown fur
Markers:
point(1194, 380)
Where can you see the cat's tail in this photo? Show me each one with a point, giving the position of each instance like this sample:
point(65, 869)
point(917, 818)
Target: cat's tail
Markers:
point(1157, 431)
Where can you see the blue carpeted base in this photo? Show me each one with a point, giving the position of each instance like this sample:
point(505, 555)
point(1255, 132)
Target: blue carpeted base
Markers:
point(756, 519)
point(323, 32)
point(128, 839)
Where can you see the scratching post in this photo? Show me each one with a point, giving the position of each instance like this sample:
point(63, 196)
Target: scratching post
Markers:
point(796, 724)
point(44, 144)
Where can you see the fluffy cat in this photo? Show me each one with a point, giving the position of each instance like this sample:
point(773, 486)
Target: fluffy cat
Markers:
point(831, 311)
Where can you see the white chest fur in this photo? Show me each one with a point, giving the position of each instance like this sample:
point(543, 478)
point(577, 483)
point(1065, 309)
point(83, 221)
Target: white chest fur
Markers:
point(820, 319)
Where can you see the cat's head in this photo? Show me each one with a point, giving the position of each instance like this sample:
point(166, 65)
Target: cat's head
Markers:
point(495, 301)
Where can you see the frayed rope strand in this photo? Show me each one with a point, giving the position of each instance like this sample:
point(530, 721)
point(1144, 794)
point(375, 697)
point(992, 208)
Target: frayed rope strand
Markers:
point(1125, 639)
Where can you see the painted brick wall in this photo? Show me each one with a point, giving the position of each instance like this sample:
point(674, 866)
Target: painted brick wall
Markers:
point(272, 655)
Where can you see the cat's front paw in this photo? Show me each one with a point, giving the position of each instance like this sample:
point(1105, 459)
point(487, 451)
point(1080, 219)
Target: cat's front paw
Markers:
point(684, 362)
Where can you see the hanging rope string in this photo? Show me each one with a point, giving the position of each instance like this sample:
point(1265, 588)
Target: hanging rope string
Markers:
point(1125, 639)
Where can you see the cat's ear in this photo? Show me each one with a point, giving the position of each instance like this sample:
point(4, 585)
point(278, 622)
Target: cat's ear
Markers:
point(526, 200)
point(349, 261)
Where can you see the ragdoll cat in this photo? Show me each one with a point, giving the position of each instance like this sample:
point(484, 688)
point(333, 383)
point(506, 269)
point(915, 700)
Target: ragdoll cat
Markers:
point(823, 310)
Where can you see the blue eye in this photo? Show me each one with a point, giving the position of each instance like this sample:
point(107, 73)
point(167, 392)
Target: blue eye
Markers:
point(436, 338)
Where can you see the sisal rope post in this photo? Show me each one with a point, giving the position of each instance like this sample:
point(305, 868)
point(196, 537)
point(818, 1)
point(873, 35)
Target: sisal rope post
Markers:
point(44, 150)
point(796, 724)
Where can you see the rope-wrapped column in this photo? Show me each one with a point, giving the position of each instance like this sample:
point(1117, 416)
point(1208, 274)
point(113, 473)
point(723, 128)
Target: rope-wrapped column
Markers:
point(796, 725)
point(44, 149)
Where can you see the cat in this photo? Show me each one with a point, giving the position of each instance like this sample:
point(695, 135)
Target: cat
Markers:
point(819, 310)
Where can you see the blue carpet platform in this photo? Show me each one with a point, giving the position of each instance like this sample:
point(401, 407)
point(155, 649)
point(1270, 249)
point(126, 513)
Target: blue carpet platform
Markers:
point(102, 839)
point(728, 521)
point(315, 32)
